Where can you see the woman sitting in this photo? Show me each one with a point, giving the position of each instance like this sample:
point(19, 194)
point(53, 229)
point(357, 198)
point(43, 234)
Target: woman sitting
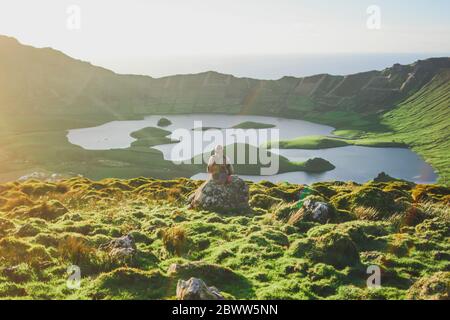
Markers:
point(220, 167)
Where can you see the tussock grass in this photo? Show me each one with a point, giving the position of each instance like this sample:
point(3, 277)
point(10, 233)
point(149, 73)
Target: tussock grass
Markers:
point(271, 253)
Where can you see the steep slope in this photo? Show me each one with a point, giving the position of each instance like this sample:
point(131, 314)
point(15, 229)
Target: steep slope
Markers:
point(423, 122)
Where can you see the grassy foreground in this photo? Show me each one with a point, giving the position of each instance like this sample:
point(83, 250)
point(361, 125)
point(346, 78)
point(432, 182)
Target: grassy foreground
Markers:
point(273, 252)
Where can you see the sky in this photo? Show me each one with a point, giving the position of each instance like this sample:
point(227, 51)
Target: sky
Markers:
point(113, 33)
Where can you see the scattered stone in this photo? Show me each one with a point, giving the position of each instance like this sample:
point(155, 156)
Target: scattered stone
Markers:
point(318, 211)
point(222, 198)
point(196, 289)
point(123, 248)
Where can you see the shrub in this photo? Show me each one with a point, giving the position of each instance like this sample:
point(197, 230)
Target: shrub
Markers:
point(367, 213)
point(369, 197)
point(77, 251)
point(283, 211)
point(175, 240)
point(296, 217)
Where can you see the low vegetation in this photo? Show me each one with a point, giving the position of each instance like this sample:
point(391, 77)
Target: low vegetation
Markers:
point(164, 122)
point(271, 252)
point(150, 136)
point(253, 125)
point(323, 142)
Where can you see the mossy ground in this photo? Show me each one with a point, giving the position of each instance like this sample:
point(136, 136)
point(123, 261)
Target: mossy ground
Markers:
point(264, 254)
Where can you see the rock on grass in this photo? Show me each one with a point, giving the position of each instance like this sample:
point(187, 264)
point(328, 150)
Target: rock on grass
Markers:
point(196, 289)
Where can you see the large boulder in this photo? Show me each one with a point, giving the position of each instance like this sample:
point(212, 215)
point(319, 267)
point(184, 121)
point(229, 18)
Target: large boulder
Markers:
point(196, 289)
point(222, 198)
point(317, 211)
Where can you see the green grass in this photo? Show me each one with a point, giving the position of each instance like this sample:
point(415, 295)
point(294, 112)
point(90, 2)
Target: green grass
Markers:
point(422, 121)
point(253, 125)
point(270, 253)
point(312, 142)
point(323, 142)
point(164, 122)
point(148, 137)
point(349, 134)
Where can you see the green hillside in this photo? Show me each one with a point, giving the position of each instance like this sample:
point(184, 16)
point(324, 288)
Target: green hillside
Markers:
point(423, 122)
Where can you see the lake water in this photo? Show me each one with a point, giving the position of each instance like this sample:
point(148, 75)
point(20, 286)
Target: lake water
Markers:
point(354, 163)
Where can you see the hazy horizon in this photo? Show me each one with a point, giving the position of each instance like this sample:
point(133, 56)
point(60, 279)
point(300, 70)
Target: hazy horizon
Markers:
point(260, 66)
point(272, 66)
point(159, 37)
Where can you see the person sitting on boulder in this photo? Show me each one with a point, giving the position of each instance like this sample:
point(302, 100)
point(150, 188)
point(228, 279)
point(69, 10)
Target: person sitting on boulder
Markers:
point(219, 166)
